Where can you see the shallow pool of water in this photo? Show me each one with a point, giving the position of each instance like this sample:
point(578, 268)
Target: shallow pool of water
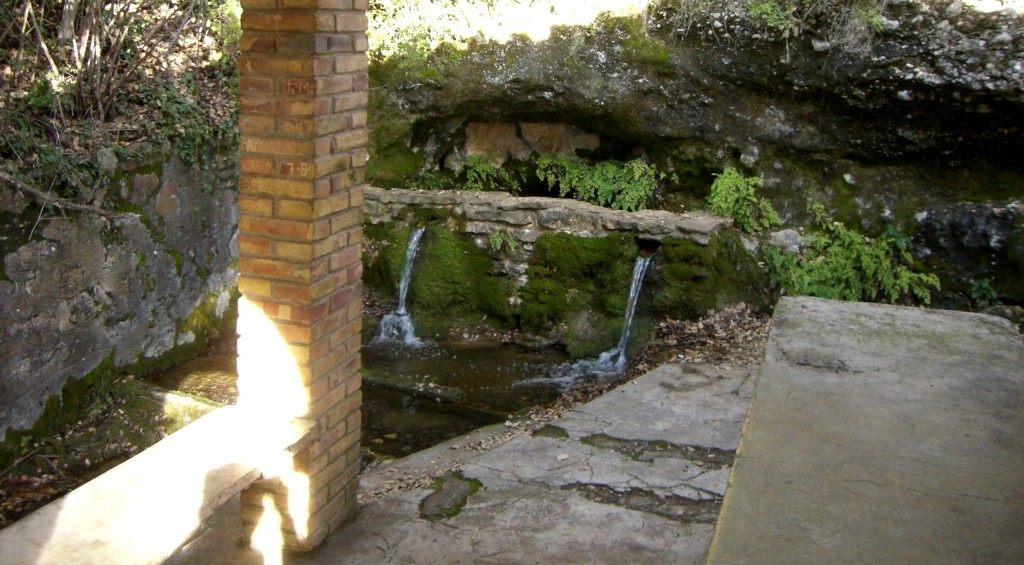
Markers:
point(408, 415)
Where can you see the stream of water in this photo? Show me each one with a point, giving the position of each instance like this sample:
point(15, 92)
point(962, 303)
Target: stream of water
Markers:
point(397, 326)
point(418, 394)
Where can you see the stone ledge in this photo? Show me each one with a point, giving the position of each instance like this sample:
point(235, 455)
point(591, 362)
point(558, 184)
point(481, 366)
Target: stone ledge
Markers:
point(500, 211)
point(141, 511)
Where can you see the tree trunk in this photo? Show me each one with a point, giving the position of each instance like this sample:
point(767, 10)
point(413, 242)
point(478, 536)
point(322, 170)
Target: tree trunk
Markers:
point(67, 21)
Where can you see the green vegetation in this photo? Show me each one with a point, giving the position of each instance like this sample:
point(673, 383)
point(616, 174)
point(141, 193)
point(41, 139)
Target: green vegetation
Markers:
point(452, 283)
point(982, 293)
point(850, 25)
point(578, 287)
point(613, 184)
point(102, 399)
point(841, 264)
point(70, 106)
point(456, 483)
point(502, 239)
point(734, 196)
point(692, 278)
point(479, 175)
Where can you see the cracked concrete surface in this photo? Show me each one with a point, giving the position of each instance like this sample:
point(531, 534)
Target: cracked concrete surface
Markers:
point(878, 435)
point(631, 483)
point(716, 402)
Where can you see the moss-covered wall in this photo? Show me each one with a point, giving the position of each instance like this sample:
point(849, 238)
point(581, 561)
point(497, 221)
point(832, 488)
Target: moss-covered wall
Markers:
point(576, 288)
point(143, 289)
point(690, 279)
point(454, 282)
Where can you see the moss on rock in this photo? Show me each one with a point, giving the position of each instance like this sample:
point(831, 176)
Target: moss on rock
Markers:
point(690, 279)
point(453, 283)
point(578, 287)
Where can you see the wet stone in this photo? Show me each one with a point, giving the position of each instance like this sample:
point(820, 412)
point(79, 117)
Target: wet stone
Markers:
point(449, 499)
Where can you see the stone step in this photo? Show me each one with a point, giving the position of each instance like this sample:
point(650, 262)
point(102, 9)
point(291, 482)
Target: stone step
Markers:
point(880, 434)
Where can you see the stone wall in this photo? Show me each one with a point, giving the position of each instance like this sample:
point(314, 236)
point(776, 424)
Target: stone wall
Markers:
point(79, 288)
point(525, 219)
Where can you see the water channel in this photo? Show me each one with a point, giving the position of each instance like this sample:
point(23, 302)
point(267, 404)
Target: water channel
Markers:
point(419, 393)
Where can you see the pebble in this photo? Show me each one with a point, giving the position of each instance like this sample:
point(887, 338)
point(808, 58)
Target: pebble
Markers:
point(1003, 38)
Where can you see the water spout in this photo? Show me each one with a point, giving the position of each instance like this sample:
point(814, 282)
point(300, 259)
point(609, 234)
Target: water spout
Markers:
point(613, 361)
point(397, 326)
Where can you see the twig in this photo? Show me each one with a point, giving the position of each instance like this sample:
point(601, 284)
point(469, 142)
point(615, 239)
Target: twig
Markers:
point(57, 201)
point(18, 462)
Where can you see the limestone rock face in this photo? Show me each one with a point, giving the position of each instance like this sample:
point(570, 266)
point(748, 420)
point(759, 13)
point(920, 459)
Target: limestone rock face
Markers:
point(927, 114)
point(84, 288)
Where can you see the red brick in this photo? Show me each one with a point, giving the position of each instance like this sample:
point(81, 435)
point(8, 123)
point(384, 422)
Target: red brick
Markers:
point(299, 87)
point(279, 21)
point(252, 185)
point(334, 84)
point(351, 22)
point(276, 66)
point(260, 125)
point(254, 287)
point(258, 85)
point(272, 268)
point(255, 205)
point(294, 210)
point(257, 43)
point(253, 245)
point(293, 251)
point(352, 218)
point(350, 101)
point(296, 169)
point(332, 123)
point(276, 146)
point(340, 260)
point(293, 292)
point(294, 333)
point(350, 62)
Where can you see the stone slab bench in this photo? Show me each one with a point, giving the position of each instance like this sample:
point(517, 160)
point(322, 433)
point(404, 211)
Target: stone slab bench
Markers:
point(880, 434)
point(141, 511)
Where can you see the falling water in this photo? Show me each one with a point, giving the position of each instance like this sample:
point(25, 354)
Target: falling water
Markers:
point(398, 326)
point(613, 361)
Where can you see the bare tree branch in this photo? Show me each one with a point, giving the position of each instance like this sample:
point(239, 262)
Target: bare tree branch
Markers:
point(47, 198)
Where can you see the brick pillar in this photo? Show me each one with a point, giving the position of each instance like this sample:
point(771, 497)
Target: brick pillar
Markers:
point(302, 119)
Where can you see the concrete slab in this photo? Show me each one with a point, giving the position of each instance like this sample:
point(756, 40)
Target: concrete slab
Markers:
point(649, 408)
point(623, 479)
point(142, 510)
point(880, 434)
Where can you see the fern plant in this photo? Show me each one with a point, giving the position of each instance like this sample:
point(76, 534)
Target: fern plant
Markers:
point(502, 239)
point(842, 264)
point(734, 196)
point(482, 176)
point(613, 184)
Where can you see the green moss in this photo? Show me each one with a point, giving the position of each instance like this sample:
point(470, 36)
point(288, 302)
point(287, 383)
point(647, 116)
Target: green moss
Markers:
point(392, 162)
point(579, 285)
point(648, 53)
point(691, 279)
point(179, 259)
point(454, 490)
point(551, 431)
point(452, 283)
point(204, 324)
point(383, 254)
